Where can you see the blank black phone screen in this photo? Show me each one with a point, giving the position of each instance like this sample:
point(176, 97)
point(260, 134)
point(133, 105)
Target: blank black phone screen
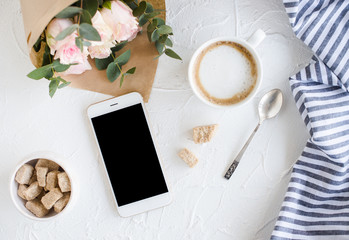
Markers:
point(129, 154)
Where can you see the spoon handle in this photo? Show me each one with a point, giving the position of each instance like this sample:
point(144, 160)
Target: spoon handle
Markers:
point(235, 164)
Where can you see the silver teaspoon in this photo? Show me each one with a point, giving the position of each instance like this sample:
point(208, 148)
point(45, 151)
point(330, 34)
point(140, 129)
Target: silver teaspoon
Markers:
point(268, 107)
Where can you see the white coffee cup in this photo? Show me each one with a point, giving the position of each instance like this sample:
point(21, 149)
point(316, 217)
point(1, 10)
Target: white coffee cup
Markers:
point(227, 71)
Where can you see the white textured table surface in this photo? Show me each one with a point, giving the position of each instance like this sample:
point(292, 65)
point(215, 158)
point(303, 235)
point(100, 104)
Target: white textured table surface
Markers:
point(205, 205)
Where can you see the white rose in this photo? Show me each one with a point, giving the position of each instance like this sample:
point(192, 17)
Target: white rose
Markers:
point(101, 49)
point(121, 20)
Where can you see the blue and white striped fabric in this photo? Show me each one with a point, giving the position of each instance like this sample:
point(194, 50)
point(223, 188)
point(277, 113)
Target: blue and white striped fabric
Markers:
point(316, 205)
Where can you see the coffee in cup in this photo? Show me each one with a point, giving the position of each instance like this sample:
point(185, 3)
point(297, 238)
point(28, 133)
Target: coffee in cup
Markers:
point(226, 71)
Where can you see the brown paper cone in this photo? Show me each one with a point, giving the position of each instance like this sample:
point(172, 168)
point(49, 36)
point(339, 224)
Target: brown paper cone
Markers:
point(38, 13)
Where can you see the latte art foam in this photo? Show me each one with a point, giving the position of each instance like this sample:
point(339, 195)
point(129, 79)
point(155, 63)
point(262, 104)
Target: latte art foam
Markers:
point(225, 73)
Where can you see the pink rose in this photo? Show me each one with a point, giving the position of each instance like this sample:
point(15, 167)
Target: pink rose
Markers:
point(56, 26)
point(69, 53)
point(101, 49)
point(65, 50)
point(79, 68)
point(121, 20)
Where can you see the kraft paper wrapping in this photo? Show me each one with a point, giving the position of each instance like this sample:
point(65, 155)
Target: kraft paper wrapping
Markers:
point(38, 13)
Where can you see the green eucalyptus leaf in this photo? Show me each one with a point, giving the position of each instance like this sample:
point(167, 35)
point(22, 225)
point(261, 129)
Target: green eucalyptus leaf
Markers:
point(85, 17)
point(132, 5)
point(123, 58)
point(64, 84)
point(87, 31)
point(159, 46)
point(69, 12)
point(102, 64)
point(122, 79)
point(49, 74)
point(149, 8)
point(66, 32)
point(172, 54)
point(151, 15)
point(91, 6)
point(164, 29)
point(162, 39)
point(140, 9)
point(58, 67)
point(40, 72)
point(113, 72)
point(119, 46)
point(131, 71)
point(61, 79)
point(79, 44)
point(154, 22)
point(168, 42)
point(142, 20)
point(53, 86)
point(151, 27)
point(149, 35)
point(160, 21)
point(155, 35)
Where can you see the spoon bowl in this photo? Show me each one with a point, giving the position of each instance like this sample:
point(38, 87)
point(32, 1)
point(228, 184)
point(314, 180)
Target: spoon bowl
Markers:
point(270, 105)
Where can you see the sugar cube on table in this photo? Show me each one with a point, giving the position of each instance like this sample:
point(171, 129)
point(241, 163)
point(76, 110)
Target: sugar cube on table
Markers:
point(188, 157)
point(203, 134)
point(24, 174)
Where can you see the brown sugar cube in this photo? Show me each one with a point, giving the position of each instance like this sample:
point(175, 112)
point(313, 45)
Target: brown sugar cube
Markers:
point(63, 182)
point(36, 207)
point(24, 174)
point(51, 198)
point(32, 191)
point(21, 189)
point(47, 163)
point(33, 178)
point(204, 134)
point(188, 157)
point(61, 203)
point(51, 180)
point(41, 175)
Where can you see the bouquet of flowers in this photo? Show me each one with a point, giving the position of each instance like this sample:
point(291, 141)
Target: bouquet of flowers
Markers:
point(97, 29)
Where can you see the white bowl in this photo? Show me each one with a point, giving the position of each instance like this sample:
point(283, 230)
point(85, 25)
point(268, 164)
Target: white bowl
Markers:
point(31, 160)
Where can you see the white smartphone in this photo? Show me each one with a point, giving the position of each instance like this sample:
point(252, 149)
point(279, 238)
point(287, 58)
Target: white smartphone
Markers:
point(130, 157)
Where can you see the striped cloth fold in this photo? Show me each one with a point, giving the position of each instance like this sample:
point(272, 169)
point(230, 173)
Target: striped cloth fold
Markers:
point(316, 205)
